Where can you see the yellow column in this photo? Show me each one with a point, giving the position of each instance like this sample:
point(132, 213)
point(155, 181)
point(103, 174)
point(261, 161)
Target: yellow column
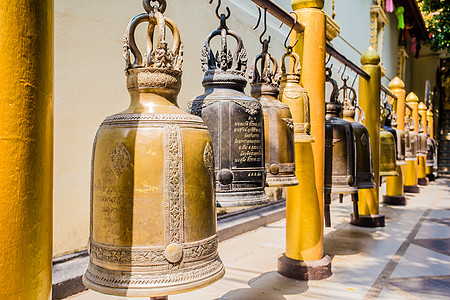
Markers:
point(304, 257)
point(369, 100)
point(411, 179)
point(422, 171)
point(394, 184)
point(26, 148)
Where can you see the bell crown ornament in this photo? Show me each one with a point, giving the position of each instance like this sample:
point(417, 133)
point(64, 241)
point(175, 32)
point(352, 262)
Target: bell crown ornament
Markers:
point(265, 81)
point(225, 67)
point(159, 69)
point(153, 219)
point(333, 107)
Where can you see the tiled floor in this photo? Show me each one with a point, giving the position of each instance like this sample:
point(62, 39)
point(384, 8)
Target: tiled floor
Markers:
point(407, 259)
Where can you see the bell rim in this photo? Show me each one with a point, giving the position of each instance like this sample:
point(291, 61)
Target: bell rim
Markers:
point(388, 173)
point(156, 291)
point(236, 199)
point(282, 181)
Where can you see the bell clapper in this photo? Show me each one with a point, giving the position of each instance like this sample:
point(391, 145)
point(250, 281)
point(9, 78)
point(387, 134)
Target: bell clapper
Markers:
point(159, 298)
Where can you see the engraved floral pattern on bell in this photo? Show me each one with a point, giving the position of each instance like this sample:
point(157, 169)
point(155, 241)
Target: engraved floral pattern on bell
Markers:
point(120, 159)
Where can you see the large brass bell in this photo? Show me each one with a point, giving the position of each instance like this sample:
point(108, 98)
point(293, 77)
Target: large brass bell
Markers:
point(153, 220)
point(364, 168)
point(235, 122)
point(340, 153)
point(400, 138)
point(431, 157)
point(278, 123)
point(388, 152)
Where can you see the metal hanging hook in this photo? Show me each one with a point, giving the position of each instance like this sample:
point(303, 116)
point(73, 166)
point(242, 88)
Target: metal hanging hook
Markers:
point(261, 40)
point(219, 3)
point(328, 60)
point(342, 75)
point(286, 45)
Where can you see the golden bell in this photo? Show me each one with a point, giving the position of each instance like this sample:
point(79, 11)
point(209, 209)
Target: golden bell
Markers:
point(278, 123)
point(293, 94)
point(388, 152)
point(364, 166)
point(340, 153)
point(153, 220)
point(235, 122)
point(388, 156)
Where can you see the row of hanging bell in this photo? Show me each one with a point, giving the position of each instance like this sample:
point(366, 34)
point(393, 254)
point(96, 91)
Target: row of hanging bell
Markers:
point(423, 137)
point(235, 122)
point(340, 153)
point(278, 123)
point(388, 143)
point(153, 219)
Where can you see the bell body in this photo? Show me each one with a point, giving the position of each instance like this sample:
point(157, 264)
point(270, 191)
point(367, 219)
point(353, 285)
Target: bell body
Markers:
point(401, 146)
point(278, 140)
point(388, 155)
point(153, 220)
point(340, 156)
point(364, 168)
point(236, 124)
point(431, 155)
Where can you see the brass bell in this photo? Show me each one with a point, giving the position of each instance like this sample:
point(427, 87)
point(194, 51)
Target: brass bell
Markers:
point(364, 168)
point(293, 94)
point(431, 157)
point(400, 138)
point(278, 123)
point(340, 153)
point(153, 220)
point(235, 122)
point(388, 153)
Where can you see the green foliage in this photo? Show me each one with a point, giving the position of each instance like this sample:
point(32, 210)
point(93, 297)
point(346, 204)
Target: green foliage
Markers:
point(436, 14)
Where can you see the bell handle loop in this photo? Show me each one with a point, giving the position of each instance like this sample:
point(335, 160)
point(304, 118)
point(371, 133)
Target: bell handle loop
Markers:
point(266, 58)
point(295, 66)
point(361, 115)
point(130, 42)
point(153, 18)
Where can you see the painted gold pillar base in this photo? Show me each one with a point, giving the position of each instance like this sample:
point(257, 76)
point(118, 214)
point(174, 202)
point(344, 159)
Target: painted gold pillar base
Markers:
point(394, 189)
point(394, 200)
point(411, 176)
point(411, 189)
point(304, 270)
point(368, 221)
point(423, 181)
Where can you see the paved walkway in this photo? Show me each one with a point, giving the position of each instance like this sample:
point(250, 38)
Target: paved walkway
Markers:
point(407, 259)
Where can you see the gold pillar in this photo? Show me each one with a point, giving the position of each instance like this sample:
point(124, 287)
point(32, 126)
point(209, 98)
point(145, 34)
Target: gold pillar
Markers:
point(305, 259)
point(394, 184)
point(26, 148)
point(411, 179)
point(369, 101)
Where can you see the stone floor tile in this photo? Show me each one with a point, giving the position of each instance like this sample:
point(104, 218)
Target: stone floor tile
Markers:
point(419, 261)
point(426, 288)
point(432, 230)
